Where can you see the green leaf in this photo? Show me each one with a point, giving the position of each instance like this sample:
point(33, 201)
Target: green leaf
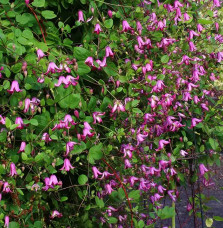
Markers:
point(166, 212)
point(27, 34)
point(204, 22)
point(96, 152)
point(112, 220)
point(48, 14)
point(7, 122)
point(81, 53)
point(34, 122)
point(134, 194)
point(82, 68)
point(4, 1)
point(165, 59)
point(141, 224)
point(3, 136)
point(63, 198)
point(99, 202)
point(111, 69)
point(38, 3)
point(28, 149)
point(24, 156)
point(82, 179)
point(14, 225)
point(108, 23)
point(214, 144)
point(218, 218)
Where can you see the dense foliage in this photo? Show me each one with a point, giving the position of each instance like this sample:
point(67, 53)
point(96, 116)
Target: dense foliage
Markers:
point(107, 108)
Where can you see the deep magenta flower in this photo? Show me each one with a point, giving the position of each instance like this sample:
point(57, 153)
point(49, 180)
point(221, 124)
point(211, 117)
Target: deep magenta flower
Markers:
point(97, 118)
point(97, 29)
point(46, 137)
point(13, 170)
point(22, 147)
point(80, 16)
point(110, 13)
point(27, 103)
point(2, 120)
point(118, 106)
point(40, 54)
point(194, 122)
point(125, 26)
point(108, 189)
point(108, 52)
point(89, 61)
point(87, 130)
point(202, 169)
point(6, 188)
point(170, 193)
point(20, 123)
point(186, 17)
point(52, 68)
point(6, 221)
point(56, 214)
point(69, 147)
point(14, 87)
point(96, 172)
point(67, 165)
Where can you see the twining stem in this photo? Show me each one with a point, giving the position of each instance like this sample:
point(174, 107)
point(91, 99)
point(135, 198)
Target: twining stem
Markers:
point(123, 187)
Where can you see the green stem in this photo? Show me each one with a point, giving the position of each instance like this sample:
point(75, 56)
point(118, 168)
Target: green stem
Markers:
point(174, 216)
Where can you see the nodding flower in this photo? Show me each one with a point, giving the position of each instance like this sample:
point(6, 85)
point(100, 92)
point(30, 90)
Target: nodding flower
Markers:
point(46, 137)
point(56, 214)
point(173, 197)
point(127, 164)
point(53, 68)
point(199, 28)
point(19, 121)
point(14, 87)
point(202, 169)
point(6, 221)
point(110, 13)
point(6, 188)
point(96, 172)
point(87, 130)
point(40, 54)
point(125, 26)
point(89, 61)
point(97, 118)
point(139, 27)
point(69, 147)
point(108, 52)
point(13, 170)
point(108, 189)
point(183, 153)
point(194, 122)
point(162, 143)
point(118, 106)
point(2, 120)
point(22, 147)
point(67, 165)
point(80, 16)
point(27, 2)
point(186, 17)
point(192, 46)
point(97, 29)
